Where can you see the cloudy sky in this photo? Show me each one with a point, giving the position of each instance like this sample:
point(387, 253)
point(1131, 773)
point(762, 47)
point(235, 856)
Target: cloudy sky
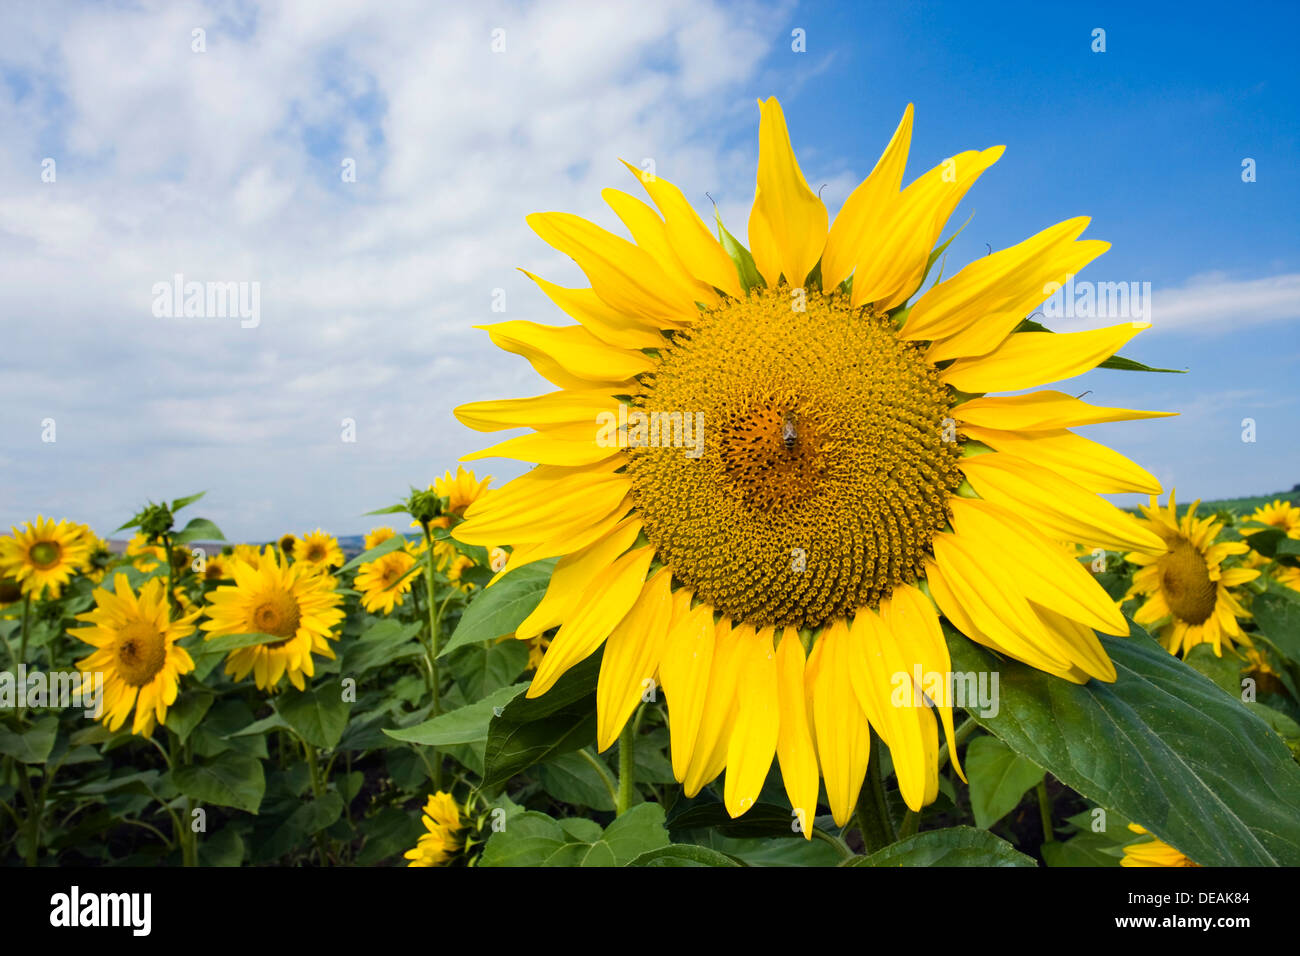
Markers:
point(136, 149)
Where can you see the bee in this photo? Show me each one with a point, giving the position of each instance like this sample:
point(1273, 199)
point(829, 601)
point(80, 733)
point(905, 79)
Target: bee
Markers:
point(789, 434)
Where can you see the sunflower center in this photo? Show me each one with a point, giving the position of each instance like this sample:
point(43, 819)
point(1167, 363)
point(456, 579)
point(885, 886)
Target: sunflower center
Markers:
point(811, 470)
point(315, 553)
point(45, 554)
point(141, 653)
point(1189, 592)
point(277, 613)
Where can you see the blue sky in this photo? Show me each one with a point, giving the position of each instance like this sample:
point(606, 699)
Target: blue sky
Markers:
point(224, 165)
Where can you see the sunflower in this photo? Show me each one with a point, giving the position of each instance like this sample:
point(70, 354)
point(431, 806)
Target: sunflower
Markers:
point(444, 839)
point(146, 556)
point(1287, 576)
point(1153, 852)
point(136, 652)
point(248, 554)
point(321, 550)
point(217, 567)
point(43, 555)
point(378, 581)
point(462, 490)
point(1279, 514)
point(292, 602)
point(765, 478)
point(378, 536)
point(1187, 589)
point(286, 544)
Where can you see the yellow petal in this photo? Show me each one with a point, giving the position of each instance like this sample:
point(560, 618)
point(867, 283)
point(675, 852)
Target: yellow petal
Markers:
point(794, 744)
point(541, 411)
point(709, 753)
point(550, 448)
point(843, 735)
point(565, 543)
point(573, 574)
point(650, 234)
point(699, 251)
point(632, 656)
point(1029, 359)
point(787, 225)
point(684, 672)
point(541, 503)
point(601, 319)
point(1058, 506)
point(627, 278)
point(757, 726)
point(1046, 410)
point(1084, 462)
point(604, 603)
point(862, 211)
point(891, 263)
point(569, 355)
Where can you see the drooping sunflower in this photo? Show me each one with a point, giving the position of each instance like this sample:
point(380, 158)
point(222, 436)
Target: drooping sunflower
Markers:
point(293, 602)
point(136, 652)
point(384, 581)
point(766, 477)
point(1153, 852)
point(462, 490)
point(1188, 591)
point(319, 549)
point(43, 556)
point(1278, 514)
point(444, 838)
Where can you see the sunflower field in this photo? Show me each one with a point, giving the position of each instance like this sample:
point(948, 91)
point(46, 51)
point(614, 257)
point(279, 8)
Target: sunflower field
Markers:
point(787, 581)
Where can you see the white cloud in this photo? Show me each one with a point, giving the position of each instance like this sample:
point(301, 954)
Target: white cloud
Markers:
point(1214, 303)
point(225, 166)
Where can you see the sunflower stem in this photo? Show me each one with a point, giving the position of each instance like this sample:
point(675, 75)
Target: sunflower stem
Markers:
point(27, 613)
point(1045, 811)
point(173, 606)
point(964, 730)
point(432, 650)
point(626, 767)
point(873, 810)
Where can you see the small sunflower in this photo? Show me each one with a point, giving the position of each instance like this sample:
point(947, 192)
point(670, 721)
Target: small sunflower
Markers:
point(287, 544)
point(1187, 588)
point(320, 549)
point(136, 651)
point(462, 490)
point(249, 554)
point(378, 581)
point(43, 555)
point(1287, 576)
point(444, 838)
point(378, 536)
point(1153, 852)
point(767, 474)
point(217, 567)
point(455, 572)
point(1279, 514)
point(290, 601)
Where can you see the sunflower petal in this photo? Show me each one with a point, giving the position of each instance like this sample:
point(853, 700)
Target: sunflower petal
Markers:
point(787, 225)
point(632, 655)
point(1087, 463)
point(1029, 359)
point(569, 355)
point(684, 672)
point(757, 726)
point(794, 744)
point(1042, 411)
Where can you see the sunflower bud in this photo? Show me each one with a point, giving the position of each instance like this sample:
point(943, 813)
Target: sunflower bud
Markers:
point(425, 506)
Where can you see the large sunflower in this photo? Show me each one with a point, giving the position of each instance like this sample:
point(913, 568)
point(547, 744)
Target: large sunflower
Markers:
point(766, 479)
point(293, 602)
point(136, 651)
point(1187, 589)
point(43, 555)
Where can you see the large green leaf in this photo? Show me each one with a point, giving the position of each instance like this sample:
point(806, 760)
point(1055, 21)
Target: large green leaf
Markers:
point(318, 714)
point(227, 780)
point(575, 778)
point(199, 529)
point(999, 777)
point(480, 669)
point(683, 854)
point(32, 745)
point(1162, 745)
point(464, 725)
point(957, 846)
point(529, 731)
point(498, 610)
point(1277, 615)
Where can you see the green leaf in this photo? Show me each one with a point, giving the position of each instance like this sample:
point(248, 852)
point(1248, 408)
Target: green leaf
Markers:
point(189, 709)
point(528, 839)
point(572, 778)
point(1161, 745)
point(1278, 618)
point(199, 529)
point(705, 811)
point(387, 546)
point(386, 642)
point(223, 848)
point(229, 779)
point(529, 731)
point(481, 669)
point(1086, 849)
point(465, 725)
point(1225, 671)
point(637, 831)
point(180, 503)
point(999, 778)
point(683, 854)
point(32, 745)
point(750, 278)
point(388, 833)
point(318, 715)
point(498, 610)
point(956, 846)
